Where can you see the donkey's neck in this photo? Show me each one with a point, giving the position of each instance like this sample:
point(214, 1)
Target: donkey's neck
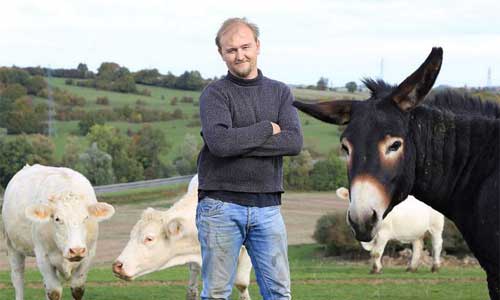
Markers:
point(455, 154)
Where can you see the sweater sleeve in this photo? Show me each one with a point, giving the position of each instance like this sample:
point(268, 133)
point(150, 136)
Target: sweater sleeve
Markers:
point(289, 141)
point(221, 138)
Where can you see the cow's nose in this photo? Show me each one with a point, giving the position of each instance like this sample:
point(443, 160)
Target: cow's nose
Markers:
point(77, 251)
point(117, 267)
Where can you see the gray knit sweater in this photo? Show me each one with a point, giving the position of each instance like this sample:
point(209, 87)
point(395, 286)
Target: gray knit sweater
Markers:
point(240, 153)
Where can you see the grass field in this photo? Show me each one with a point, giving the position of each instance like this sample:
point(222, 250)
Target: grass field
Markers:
point(312, 278)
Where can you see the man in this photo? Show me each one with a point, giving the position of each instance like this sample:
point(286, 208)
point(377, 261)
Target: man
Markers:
point(248, 124)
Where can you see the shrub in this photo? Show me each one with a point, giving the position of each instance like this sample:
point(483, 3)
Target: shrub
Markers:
point(177, 114)
point(186, 99)
point(329, 174)
point(69, 81)
point(453, 242)
point(333, 231)
point(174, 101)
point(102, 100)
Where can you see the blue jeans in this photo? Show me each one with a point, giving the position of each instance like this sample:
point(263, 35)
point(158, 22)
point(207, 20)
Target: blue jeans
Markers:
point(223, 228)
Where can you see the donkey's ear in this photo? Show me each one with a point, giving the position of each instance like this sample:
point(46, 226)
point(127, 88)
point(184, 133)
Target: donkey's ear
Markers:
point(335, 112)
point(414, 88)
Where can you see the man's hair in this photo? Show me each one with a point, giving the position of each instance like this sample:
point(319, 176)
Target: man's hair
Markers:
point(231, 21)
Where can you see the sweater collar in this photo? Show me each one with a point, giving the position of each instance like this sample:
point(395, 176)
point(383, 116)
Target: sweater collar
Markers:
point(246, 82)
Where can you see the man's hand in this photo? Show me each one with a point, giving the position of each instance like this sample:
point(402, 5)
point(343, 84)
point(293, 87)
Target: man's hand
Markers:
point(276, 128)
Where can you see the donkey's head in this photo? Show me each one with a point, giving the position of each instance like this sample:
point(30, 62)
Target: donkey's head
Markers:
point(377, 144)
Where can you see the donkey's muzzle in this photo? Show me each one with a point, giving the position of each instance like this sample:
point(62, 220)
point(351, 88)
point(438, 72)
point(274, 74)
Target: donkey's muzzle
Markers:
point(363, 231)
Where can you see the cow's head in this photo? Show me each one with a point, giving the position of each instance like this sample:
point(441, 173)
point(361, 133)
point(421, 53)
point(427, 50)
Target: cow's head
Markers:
point(71, 221)
point(377, 143)
point(158, 240)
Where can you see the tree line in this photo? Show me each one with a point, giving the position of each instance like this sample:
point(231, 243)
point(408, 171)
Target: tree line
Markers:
point(111, 76)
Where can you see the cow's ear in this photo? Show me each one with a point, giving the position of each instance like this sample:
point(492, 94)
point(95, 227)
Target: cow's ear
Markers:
point(343, 193)
point(175, 228)
point(40, 213)
point(101, 211)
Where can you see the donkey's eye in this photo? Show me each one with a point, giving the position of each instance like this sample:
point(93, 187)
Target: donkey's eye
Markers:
point(394, 147)
point(345, 149)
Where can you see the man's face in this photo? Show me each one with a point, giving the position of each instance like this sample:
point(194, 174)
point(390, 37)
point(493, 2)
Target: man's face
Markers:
point(239, 50)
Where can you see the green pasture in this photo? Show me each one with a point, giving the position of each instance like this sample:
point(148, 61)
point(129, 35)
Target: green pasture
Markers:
point(313, 277)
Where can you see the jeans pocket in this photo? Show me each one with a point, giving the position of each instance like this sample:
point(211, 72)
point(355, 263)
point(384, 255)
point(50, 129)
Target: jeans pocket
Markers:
point(208, 207)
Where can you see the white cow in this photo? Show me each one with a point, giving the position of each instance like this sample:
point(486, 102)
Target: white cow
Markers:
point(52, 214)
point(407, 222)
point(163, 239)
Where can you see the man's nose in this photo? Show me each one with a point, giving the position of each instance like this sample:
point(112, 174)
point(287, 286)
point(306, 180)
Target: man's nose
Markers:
point(240, 55)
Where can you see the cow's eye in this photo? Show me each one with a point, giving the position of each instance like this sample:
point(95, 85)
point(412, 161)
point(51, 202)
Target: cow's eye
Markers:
point(345, 149)
point(394, 147)
point(148, 240)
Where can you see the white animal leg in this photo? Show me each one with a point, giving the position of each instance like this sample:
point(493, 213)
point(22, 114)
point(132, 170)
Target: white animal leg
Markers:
point(53, 288)
point(79, 277)
point(194, 273)
point(437, 245)
point(16, 260)
point(243, 270)
point(415, 256)
point(377, 253)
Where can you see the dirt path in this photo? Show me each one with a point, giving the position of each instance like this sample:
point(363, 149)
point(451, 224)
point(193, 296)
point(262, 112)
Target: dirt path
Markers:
point(300, 210)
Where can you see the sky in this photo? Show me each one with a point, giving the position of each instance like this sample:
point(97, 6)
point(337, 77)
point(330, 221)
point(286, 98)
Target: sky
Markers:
point(301, 41)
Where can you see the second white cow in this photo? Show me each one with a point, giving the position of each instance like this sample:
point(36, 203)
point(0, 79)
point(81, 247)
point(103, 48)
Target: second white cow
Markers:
point(407, 222)
point(163, 239)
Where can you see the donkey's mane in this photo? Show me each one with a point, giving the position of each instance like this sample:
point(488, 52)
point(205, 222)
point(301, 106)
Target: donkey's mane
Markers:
point(450, 100)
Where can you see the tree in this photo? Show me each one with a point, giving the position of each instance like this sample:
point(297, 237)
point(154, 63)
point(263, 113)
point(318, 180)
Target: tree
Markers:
point(70, 156)
point(14, 91)
point(25, 117)
point(148, 144)
point(109, 139)
point(351, 86)
point(186, 163)
point(90, 119)
point(296, 171)
point(96, 165)
point(14, 155)
point(82, 70)
point(322, 84)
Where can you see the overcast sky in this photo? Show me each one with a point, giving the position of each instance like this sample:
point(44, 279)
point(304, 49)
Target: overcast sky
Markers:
point(300, 40)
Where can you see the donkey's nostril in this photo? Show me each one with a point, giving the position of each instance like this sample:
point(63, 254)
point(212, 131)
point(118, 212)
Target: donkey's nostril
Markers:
point(374, 218)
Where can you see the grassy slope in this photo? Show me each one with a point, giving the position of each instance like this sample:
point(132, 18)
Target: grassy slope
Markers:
point(319, 137)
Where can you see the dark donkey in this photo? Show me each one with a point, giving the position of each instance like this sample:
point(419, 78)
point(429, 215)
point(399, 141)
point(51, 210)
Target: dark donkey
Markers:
point(444, 151)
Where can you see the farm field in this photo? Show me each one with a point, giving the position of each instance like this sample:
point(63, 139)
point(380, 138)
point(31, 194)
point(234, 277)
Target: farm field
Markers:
point(313, 276)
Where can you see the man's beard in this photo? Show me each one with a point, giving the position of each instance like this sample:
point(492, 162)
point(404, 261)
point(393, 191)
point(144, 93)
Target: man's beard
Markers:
point(243, 73)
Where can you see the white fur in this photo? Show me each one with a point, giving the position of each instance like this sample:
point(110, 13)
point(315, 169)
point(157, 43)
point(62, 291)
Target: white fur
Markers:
point(34, 198)
point(407, 222)
point(174, 242)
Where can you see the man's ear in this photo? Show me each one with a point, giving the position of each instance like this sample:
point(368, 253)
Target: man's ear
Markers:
point(38, 213)
point(343, 193)
point(175, 228)
point(101, 211)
